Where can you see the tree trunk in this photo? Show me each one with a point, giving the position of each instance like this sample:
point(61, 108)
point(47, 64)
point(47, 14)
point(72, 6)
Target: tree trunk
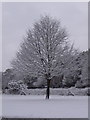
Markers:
point(48, 89)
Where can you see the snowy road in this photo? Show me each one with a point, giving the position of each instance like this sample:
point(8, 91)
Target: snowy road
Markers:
point(38, 107)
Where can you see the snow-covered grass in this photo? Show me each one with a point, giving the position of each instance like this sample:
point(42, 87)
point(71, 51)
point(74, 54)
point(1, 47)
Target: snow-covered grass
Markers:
point(34, 106)
point(58, 91)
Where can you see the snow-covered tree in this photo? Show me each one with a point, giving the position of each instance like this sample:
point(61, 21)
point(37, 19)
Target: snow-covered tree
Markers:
point(7, 76)
point(84, 66)
point(45, 51)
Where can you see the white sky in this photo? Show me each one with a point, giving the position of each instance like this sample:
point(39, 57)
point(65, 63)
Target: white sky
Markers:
point(18, 17)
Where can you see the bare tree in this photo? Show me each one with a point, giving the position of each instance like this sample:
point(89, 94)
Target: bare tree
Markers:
point(45, 51)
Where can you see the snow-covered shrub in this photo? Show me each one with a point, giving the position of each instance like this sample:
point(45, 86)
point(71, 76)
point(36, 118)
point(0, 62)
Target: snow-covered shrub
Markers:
point(69, 81)
point(88, 92)
point(17, 87)
point(29, 81)
point(82, 83)
point(56, 81)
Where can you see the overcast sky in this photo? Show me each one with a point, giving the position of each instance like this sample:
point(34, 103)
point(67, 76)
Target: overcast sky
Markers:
point(18, 17)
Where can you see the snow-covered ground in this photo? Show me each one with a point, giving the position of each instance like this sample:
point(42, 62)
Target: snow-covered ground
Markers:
point(0, 105)
point(38, 107)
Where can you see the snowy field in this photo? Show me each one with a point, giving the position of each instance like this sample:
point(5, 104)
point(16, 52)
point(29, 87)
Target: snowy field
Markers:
point(0, 106)
point(38, 107)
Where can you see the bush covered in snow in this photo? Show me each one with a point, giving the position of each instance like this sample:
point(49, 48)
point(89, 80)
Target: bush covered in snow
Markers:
point(17, 87)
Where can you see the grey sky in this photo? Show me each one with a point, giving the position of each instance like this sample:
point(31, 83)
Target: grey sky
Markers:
point(0, 36)
point(18, 17)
